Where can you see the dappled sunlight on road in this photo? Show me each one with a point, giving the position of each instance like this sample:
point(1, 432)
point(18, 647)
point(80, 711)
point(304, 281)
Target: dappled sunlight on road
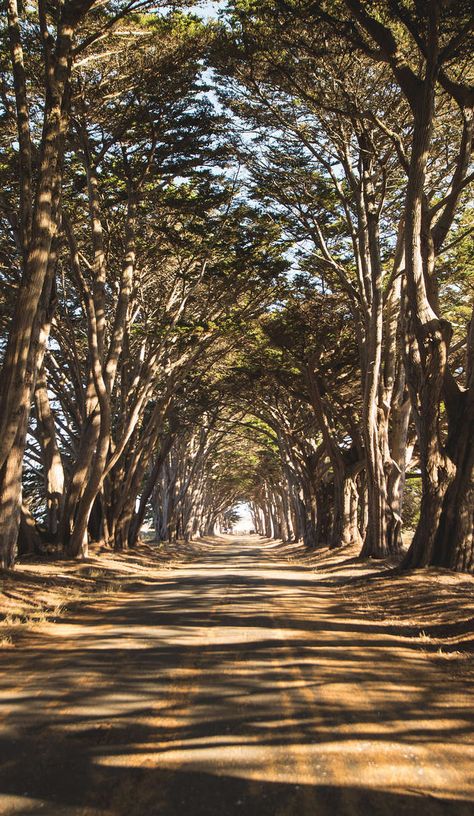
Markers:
point(239, 683)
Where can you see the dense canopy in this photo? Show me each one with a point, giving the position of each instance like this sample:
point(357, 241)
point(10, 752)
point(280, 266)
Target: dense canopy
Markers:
point(236, 247)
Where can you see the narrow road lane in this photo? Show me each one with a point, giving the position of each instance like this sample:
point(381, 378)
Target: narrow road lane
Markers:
point(236, 684)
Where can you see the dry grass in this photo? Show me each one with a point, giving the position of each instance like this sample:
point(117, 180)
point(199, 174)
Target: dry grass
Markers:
point(42, 591)
point(433, 608)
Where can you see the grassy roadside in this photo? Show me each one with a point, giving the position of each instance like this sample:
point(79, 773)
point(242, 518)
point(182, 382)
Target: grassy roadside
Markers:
point(43, 591)
point(433, 607)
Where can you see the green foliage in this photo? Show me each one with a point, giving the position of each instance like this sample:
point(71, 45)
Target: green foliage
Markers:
point(411, 503)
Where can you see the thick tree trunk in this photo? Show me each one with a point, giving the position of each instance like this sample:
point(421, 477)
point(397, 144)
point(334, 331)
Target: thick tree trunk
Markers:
point(10, 504)
point(428, 335)
point(39, 223)
point(95, 526)
point(150, 483)
point(345, 529)
point(267, 523)
point(375, 538)
point(444, 531)
point(437, 468)
point(276, 530)
point(324, 496)
point(444, 535)
point(453, 545)
point(350, 527)
point(126, 500)
point(12, 468)
point(374, 418)
point(78, 482)
point(29, 538)
point(454, 542)
point(283, 515)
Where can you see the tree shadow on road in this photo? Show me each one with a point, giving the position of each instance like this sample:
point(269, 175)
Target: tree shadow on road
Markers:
point(248, 690)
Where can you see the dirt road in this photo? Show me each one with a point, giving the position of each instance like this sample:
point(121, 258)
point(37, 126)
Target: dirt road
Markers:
point(237, 684)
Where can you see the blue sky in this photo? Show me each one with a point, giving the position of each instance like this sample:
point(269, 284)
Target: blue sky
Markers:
point(208, 8)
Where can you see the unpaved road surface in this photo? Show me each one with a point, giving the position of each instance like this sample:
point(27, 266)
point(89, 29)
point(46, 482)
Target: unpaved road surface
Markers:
point(236, 684)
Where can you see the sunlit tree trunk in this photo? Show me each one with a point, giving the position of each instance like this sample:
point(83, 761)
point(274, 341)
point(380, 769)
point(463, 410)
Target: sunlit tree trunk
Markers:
point(39, 212)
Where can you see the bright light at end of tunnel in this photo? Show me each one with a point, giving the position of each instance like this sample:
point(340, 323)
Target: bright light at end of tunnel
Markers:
point(245, 523)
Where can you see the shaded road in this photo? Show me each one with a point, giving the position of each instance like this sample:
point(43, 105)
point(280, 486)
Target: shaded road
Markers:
point(238, 684)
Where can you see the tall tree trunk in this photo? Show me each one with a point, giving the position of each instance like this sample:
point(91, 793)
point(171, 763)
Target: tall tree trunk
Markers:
point(446, 469)
point(324, 496)
point(12, 469)
point(345, 530)
point(79, 477)
point(11, 495)
point(429, 335)
point(150, 483)
point(453, 545)
point(39, 222)
point(376, 544)
point(29, 539)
